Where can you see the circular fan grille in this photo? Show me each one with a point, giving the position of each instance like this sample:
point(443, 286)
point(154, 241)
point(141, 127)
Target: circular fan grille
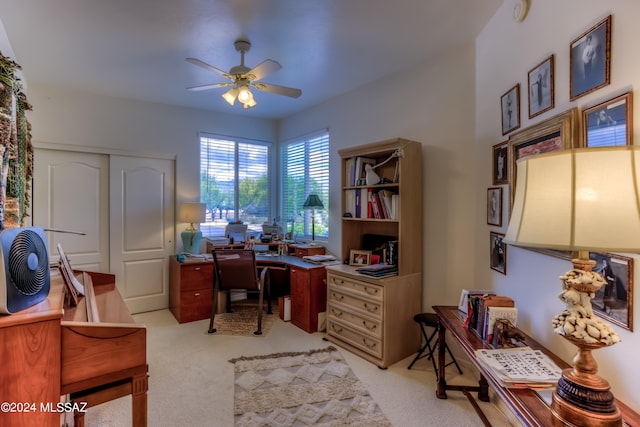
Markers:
point(28, 262)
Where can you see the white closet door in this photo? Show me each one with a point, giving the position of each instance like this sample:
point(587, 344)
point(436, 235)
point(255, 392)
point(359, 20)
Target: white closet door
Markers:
point(141, 221)
point(71, 192)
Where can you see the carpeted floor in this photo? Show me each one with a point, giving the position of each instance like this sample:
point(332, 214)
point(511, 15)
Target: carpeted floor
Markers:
point(191, 382)
point(315, 387)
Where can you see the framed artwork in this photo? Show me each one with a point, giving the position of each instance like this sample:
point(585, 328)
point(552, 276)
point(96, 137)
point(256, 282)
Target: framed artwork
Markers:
point(494, 206)
point(359, 257)
point(609, 123)
point(510, 108)
point(590, 60)
point(614, 301)
point(498, 252)
point(500, 169)
point(541, 87)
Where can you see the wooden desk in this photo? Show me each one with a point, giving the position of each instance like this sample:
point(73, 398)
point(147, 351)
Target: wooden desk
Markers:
point(526, 404)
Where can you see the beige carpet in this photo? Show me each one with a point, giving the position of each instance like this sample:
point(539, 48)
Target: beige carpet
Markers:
point(243, 320)
point(312, 388)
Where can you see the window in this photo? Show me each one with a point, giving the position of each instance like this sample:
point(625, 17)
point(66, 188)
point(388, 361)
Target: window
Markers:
point(235, 183)
point(305, 170)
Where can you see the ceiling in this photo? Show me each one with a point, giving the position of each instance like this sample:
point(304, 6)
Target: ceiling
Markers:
point(137, 48)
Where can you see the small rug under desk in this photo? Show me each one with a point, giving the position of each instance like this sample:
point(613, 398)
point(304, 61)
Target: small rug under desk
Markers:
point(313, 388)
point(243, 319)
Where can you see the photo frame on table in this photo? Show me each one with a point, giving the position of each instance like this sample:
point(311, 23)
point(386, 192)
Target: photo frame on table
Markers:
point(590, 60)
point(510, 109)
point(498, 252)
point(500, 163)
point(614, 301)
point(494, 206)
point(359, 257)
point(541, 91)
point(559, 132)
point(609, 123)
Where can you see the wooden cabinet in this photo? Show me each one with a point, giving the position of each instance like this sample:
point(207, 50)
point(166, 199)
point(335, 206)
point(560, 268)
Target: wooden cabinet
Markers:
point(306, 250)
point(190, 290)
point(373, 317)
point(308, 296)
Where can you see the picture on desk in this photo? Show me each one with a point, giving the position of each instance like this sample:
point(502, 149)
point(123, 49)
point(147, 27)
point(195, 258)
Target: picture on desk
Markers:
point(359, 257)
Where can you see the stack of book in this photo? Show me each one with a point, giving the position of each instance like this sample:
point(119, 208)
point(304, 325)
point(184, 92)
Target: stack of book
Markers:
point(520, 367)
point(378, 270)
point(484, 310)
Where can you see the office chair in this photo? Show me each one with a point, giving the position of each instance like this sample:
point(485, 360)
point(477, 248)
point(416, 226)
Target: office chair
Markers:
point(235, 269)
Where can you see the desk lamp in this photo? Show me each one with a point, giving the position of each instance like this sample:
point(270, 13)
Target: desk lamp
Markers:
point(191, 237)
point(580, 200)
point(313, 202)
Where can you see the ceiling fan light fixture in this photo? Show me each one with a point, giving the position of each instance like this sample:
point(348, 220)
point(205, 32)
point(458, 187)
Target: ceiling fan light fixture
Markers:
point(244, 94)
point(231, 95)
point(249, 104)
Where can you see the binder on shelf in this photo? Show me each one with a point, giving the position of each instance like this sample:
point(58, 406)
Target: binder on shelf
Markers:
point(350, 171)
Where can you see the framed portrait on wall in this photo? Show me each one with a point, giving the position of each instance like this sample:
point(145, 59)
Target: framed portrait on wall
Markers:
point(510, 109)
point(500, 154)
point(614, 301)
point(498, 252)
point(541, 87)
point(590, 60)
point(494, 206)
point(609, 123)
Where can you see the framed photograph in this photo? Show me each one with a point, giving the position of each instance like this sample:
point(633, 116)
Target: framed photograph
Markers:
point(541, 87)
point(500, 169)
point(614, 301)
point(609, 123)
point(494, 206)
point(498, 252)
point(359, 257)
point(590, 60)
point(510, 108)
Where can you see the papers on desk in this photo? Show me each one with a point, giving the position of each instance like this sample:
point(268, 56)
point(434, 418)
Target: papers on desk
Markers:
point(378, 270)
point(520, 367)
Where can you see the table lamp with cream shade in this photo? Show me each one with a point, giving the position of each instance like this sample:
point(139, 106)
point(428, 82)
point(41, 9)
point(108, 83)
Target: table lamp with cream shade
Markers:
point(580, 200)
point(191, 237)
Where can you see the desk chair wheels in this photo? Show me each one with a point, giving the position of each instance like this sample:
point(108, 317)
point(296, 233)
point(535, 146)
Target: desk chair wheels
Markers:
point(431, 320)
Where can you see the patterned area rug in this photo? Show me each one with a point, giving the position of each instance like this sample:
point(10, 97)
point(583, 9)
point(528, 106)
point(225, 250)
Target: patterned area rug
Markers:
point(314, 388)
point(243, 320)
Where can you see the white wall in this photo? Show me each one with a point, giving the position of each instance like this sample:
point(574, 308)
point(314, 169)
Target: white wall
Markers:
point(86, 120)
point(506, 52)
point(431, 103)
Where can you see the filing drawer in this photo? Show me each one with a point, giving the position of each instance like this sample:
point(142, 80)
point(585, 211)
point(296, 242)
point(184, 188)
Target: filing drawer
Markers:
point(354, 287)
point(366, 343)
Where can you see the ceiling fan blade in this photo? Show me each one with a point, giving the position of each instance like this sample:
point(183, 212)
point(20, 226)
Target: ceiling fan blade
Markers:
point(206, 66)
point(264, 69)
point(207, 87)
point(279, 90)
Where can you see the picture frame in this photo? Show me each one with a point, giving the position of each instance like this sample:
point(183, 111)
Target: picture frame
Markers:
point(590, 60)
point(497, 252)
point(614, 301)
point(559, 132)
point(541, 91)
point(359, 257)
point(500, 155)
point(609, 123)
point(510, 109)
point(494, 206)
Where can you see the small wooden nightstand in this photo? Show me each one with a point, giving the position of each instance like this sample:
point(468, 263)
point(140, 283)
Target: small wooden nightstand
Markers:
point(306, 250)
point(190, 289)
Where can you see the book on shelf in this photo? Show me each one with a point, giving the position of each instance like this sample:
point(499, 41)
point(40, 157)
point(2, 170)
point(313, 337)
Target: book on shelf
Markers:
point(493, 314)
point(360, 169)
point(520, 367)
point(489, 301)
point(350, 171)
point(464, 297)
point(473, 302)
point(350, 202)
point(378, 270)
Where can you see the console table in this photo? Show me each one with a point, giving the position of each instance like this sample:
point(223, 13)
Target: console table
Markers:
point(527, 405)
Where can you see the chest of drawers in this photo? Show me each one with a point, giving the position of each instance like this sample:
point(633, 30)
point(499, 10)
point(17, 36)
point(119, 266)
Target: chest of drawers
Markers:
point(190, 290)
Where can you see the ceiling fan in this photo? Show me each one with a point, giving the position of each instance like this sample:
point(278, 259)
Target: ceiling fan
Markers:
point(242, 78)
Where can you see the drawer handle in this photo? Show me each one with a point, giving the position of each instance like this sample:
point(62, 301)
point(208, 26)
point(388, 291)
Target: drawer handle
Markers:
point(371, 291)
point(336, 296)
point(337, 328)
point(372, 345)
point(370, 309)
point(336, 312)
point(197, 268)
point(338, 282)
point(197, 294)
point(371, 328)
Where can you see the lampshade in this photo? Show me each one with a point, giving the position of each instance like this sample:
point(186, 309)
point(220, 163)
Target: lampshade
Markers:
point(581, 199)
point(192, 212)
point(313, 202)
point(231, 95)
